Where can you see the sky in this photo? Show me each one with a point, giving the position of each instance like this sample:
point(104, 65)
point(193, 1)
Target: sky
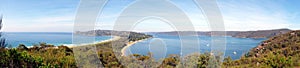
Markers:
point(238, 15)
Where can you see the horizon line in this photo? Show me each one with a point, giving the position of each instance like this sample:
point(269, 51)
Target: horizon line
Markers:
point(142, 31)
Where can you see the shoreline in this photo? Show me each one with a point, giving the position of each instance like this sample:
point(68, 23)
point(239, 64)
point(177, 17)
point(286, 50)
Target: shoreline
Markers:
point(72, 45)
point(104, 41)
point(130, 44)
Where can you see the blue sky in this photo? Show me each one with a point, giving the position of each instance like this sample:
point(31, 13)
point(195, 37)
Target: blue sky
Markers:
point(239, 15)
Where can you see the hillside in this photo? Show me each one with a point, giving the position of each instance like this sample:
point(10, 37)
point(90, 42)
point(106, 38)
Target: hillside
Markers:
point(279, 43)
point(132, 36)
point(238, 34)
point(277, 52)
point(261, 33)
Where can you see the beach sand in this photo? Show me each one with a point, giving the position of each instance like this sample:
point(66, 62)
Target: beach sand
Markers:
point(130, 44)
point(109, 40)
point(104, 41)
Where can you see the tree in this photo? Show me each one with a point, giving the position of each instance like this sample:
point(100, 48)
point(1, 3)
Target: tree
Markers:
point(22, 47)
point(2, 40)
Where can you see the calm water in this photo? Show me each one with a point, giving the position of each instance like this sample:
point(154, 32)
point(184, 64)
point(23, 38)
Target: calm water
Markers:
point(165, 45)
point(55, 38)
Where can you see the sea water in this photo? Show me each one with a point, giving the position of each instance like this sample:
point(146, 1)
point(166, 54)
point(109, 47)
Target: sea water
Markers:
point(54, 38)
point(170, 44)
point(235, 47)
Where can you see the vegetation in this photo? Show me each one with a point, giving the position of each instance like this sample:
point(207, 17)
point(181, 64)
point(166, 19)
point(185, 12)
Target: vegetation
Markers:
point(277, 52)
point(132, 36)
point(46, 55)
point(138, 36)
point(16, 59)
point(62, 57)
point(38, 56)
point(2, 40)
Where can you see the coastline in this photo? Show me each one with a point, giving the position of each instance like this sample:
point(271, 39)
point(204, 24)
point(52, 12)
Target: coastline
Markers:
point(123, 50)
point(130, 44)
point(108, 40)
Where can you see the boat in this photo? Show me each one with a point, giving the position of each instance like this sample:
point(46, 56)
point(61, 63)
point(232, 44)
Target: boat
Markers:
point(207, 44)
point(234, 53)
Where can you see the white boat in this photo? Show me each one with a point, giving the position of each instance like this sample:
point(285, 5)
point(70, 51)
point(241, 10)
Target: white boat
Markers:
point(207, 44)
point(234, 52)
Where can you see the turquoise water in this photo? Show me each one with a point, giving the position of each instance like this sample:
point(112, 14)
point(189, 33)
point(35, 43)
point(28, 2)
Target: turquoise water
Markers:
point(167, 44)
point(55, 38)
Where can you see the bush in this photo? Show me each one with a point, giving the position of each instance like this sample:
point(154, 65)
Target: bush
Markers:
point(15, 59)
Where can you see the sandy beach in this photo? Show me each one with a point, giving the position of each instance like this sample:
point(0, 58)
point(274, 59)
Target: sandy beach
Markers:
point(109, 40)
point(130, 44)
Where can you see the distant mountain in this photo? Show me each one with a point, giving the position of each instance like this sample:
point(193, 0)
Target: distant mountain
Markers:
point(261, 33)
point(239, 34)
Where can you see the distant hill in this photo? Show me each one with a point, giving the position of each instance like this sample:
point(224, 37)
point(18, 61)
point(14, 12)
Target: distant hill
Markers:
point(282, 51)
point(261, 33)
point(107, 33)
point(239, 34)
point(132, 36)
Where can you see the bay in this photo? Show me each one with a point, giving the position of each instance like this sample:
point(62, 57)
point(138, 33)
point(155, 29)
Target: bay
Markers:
point(171, 44)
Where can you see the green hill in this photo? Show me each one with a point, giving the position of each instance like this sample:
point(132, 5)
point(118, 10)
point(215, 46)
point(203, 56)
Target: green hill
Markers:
point(276, 52)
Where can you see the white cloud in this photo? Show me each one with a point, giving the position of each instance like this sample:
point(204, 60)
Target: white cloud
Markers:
point(251, 15)
point(43, 24)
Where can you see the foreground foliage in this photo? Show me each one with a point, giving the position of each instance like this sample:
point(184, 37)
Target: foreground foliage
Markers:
point(42, 55)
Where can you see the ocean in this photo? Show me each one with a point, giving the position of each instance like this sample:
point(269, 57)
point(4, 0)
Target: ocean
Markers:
point(160, 46)
point(54, 38)
point(164, 45)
